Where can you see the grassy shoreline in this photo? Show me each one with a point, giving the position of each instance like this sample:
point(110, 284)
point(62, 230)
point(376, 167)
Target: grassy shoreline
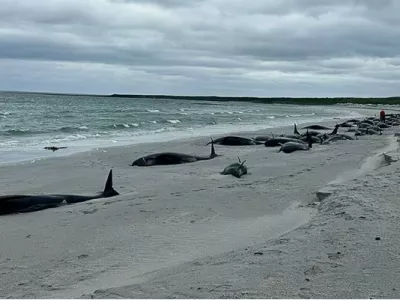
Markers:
point(394, 100)
point(280, 100)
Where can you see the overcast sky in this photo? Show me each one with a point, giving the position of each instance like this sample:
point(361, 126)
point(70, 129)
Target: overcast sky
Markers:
point(202, 47)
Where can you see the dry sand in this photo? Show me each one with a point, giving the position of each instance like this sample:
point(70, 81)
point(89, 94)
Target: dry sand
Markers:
point(185, 231)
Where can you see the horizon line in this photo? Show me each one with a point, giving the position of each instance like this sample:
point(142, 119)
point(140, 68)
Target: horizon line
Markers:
point(127, 95)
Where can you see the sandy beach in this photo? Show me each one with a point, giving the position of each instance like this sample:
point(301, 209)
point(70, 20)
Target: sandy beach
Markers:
point(322, 223)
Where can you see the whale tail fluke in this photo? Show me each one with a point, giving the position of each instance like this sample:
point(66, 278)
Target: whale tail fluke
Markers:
point(108, 189)
point(241, 162)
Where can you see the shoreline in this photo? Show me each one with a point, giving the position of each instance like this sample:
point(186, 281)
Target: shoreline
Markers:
point(326, 270)
point(348, 249)
point(189, 137)
point(168, 221)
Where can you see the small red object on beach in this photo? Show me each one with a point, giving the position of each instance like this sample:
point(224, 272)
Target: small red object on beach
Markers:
point(382, 115)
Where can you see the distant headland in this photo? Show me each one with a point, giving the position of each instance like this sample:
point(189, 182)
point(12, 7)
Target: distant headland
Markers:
point(281, 100)
point(394, 100)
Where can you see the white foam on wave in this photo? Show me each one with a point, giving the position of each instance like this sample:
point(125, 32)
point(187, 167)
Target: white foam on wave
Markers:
point(159, 130)
point(152, 110)
point(142, 134)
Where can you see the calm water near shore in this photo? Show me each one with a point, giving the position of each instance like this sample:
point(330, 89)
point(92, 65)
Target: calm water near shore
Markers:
point(29, 122)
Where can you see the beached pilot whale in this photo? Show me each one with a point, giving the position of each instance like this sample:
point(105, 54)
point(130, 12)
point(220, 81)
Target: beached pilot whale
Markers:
point(316, 127)
point(235, 169)
point(236, 141)
point(290, 147)
point(171, 158)
point(28, 203)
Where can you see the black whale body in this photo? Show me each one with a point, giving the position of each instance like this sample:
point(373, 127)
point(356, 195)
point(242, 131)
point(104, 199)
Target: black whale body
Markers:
point(171, 158)
point(236, 141)
point(278, 141)
point(10, 204)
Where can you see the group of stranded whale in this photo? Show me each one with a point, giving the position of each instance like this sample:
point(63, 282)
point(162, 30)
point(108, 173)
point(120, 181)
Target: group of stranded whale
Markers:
point(287, 143)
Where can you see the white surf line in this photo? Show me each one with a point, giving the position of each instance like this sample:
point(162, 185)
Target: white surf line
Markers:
point(370, 163)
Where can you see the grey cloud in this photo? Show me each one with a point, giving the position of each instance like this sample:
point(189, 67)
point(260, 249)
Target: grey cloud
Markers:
point(166, 3)
point(224, 45)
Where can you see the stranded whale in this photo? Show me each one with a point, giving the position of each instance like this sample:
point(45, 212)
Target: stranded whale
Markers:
point(171, 158)
point(235, 169)
point(28, 203)
point(236, 141)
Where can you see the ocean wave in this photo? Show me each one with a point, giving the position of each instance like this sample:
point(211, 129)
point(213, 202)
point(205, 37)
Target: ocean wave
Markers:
point(30, 132)
point(71, 129)
point(160, 130)
point(9, 143)
point(73, 137)
point(124, 125)
point(153, 110)
point(173, 121)
point(19, 132)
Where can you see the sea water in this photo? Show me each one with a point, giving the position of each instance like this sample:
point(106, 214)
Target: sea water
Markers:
point(31, 121)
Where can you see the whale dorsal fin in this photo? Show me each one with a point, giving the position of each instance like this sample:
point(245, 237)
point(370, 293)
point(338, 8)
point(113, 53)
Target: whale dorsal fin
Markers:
point(108, 188)
point(295, 131)
point(335, 130)
point(213, 154)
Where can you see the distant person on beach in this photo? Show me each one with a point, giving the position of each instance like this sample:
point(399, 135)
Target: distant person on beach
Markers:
point(382, 115)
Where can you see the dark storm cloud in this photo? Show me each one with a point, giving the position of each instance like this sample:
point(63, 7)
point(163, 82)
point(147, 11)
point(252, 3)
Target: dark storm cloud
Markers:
point(205, 46)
